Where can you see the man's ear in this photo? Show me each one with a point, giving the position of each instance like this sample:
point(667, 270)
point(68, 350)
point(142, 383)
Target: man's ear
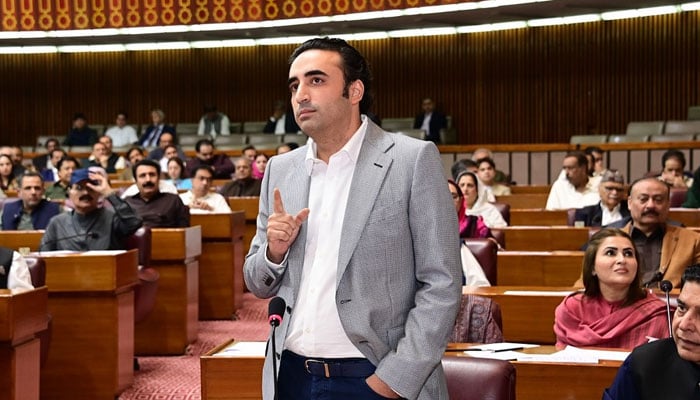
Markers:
point(357, 91)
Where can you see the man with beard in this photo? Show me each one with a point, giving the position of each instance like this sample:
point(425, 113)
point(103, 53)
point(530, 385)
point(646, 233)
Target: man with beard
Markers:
point(31, 211)
point(577, 190)
point(665, 250)
point(157, 209)
point(89, 227)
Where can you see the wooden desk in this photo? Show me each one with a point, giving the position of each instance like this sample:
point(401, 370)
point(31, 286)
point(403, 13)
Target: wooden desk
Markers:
point(228, 378)
point(173, 323)
point(527, 200)
point(690, 217)
point(556, 381)
point(539, 268)
point(250, 206)
point(18, 239)
point(221, 264)
point(544, 238)
point(526, 318)
point(538, 217)
point(530, 189)
point(91, 299)
point(23, 313)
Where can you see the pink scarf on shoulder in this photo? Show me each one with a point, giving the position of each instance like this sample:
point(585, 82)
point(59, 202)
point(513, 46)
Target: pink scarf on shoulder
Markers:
point(584, 321)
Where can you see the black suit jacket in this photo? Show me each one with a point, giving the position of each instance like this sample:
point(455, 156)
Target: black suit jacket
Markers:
point(290, 124)
point(166, 128)
point(593, 215)
point(437, 121)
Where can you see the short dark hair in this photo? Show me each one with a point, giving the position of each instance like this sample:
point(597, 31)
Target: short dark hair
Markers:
point(460, 166)
point(147, 162)
point(580, 156)
point(30, 174)
point(354, 65)
point(133, 149)
point(593, 149)
point(590, 281)
point(673, 153)
point(49, 140)
point(68, 159)
point(126, 116)
point(691, 274)
point(249, 147)
point(201, 142)
point(487, 160)
point(204, 167)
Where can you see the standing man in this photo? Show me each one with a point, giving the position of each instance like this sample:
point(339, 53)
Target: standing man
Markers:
point(156, 208)
point(430, 120)
point(31, 211)
point(668, 368)
point(370, 275)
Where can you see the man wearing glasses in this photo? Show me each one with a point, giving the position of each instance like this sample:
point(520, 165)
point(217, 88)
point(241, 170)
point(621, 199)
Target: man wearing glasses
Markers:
point(611, 207)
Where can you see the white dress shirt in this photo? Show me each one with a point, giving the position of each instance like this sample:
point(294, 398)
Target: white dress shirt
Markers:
point(610, 216)
point(122, 137)
point(564, 195)
point(225, 127)
point(215, 200)
point(315, 329)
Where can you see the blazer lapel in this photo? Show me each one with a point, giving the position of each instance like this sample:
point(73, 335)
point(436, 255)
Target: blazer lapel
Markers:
point(372, 166)
point(668, 247)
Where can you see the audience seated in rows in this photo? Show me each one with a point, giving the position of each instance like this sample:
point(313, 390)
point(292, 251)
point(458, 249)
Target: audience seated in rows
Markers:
point(43, 161)
point(8, 181)
point(470, 227)
point(50, 173)
point(612, 206)
point(151, 137)
point(31, 211)
point(102, 156)
point(243, 184)
point(480, 153)
point(477, 201)
point(577, 189)
point(430, 120)
point(90, 226)
point(486, 172)
point(122, 135)
point(259, 166)
point(156, 208)
point(200, 199)
point(665, 249)
point(596, 166)
point(14, 273)
point(80, 134)
point(213, 123)
point(613, 310)
point(282, 120)
point(220, 163)
point(668, 368)
point(167, 140)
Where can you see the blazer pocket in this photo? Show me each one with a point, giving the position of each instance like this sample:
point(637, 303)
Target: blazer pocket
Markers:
point(386, 212)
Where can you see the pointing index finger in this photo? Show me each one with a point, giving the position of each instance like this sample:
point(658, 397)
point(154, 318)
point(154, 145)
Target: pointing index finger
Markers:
point(278, 207)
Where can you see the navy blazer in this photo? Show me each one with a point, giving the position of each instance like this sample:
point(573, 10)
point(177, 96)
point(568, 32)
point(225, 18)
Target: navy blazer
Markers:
point(166, 128)
point(593, 215)
point(437, 121)
point(44, 211)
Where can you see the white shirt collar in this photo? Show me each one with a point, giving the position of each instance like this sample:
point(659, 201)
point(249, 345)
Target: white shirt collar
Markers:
point(351, 148)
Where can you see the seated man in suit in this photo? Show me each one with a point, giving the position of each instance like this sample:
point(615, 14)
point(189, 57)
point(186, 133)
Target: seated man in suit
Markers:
point(611, 207)
point(14, 273)
point(281, 121)
point(156, 208)
point(201, 199)
point(31, 211)
point(665, 250)
point(50, 173)
point(667, 368)
point(220, 163)
point(244, 184)
point(42, 161)
point(89, 226)
point(151, 138)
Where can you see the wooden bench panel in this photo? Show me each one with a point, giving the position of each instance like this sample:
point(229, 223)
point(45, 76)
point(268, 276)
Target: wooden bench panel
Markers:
point(538, 216)
point(529, 268)
point(544, 238)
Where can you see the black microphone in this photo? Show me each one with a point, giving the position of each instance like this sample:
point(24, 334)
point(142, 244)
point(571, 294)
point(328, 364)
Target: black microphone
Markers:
point(656, 278)
point(86, 235)
point(275, 312)
point(666, 287)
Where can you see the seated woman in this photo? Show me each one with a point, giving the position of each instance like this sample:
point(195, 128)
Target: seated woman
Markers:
point(487, 174)
point(476, 201)
point(7, 174)
point(177, 174)
point(473, 273)
point(613, 310)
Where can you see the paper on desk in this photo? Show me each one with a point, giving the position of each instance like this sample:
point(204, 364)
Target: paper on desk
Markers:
point(500, 355)
point(559, 293)
point(243, 349)
point(501, 346)
point(103, 252)
point(575, 355)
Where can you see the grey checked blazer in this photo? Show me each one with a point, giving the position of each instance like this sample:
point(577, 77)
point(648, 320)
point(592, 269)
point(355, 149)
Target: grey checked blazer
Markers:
point(399, 273)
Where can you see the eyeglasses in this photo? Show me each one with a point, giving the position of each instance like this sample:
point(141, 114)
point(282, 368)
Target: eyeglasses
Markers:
point(613, 189)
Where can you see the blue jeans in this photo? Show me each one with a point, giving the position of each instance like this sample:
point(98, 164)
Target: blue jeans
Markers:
point(324, 379)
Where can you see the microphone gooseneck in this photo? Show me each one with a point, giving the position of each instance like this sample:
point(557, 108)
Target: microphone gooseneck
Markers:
point(666, 287)
point(275, 312)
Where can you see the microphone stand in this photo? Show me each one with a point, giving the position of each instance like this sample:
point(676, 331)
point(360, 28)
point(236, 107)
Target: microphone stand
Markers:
point(666, 286)
point(274, 358)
